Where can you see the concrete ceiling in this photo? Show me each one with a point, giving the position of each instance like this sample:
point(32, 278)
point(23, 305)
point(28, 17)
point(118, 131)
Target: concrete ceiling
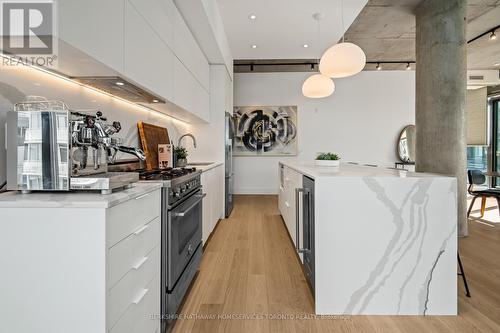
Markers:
point(282, 27)
point(385, 30)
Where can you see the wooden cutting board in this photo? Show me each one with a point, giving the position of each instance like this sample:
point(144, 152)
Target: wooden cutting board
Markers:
point(151, 136)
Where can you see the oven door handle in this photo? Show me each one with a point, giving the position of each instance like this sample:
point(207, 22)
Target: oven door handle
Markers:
point(183, 213)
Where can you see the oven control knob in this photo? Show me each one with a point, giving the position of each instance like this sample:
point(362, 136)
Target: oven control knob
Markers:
point(177, 193)
point(190, 249)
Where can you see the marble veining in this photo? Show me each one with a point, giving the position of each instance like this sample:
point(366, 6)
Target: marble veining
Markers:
point(385, 245)
point(416, 195)
point(424, 294)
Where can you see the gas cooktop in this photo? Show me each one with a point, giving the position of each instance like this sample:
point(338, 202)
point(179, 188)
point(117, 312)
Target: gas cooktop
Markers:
point(164, 174)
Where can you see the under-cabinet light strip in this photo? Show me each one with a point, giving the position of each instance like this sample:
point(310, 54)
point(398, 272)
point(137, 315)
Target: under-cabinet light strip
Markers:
point(66, 78)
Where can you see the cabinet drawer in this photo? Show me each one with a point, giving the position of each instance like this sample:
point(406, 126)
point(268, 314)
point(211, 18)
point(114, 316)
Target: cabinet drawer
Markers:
point(128, 291)
point(131, 253)
point(142, 317)
point(132, 215)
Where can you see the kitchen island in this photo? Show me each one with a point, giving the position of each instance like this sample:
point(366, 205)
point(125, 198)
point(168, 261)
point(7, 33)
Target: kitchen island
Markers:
point(384, 240)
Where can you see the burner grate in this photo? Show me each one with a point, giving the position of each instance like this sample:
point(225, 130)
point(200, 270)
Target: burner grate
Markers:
point(165, 174)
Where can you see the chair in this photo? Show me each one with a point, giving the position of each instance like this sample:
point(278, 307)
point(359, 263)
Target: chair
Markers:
point(476, 177)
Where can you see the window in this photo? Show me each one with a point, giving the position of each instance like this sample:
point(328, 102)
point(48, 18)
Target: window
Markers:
point(477, 158)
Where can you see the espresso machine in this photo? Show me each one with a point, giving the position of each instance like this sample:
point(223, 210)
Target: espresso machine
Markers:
point(51, 148)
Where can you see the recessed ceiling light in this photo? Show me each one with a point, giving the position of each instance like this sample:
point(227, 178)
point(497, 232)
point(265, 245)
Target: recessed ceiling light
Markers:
point(305, 46)
point(252, 16)
point(254, 46)
point(120, 83)
point(155, 101)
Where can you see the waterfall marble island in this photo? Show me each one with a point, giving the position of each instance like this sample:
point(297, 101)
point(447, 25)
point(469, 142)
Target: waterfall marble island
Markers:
point(384, 242)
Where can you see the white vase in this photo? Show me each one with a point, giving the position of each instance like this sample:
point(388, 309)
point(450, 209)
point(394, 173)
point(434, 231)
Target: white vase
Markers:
point(327, 163)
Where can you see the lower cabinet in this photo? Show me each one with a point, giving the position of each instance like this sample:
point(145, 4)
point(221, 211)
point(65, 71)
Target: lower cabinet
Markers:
point(213, 204)
point(84, 269)
point(287, 201)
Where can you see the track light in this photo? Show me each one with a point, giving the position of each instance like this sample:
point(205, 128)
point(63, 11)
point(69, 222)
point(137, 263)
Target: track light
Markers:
point(378, 67)
point(408, 66)
point(493, 36)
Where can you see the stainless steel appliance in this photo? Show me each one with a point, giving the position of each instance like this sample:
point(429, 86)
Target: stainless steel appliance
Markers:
point(50, 148)
point(181, 232)
point(307, 213)
point(229, 174)
point(182, 200)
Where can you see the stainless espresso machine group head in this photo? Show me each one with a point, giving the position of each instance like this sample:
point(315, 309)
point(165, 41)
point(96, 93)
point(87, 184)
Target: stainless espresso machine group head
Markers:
point(50, 148)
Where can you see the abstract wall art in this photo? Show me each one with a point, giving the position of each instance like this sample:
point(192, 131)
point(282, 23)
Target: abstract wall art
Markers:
point(265, 130)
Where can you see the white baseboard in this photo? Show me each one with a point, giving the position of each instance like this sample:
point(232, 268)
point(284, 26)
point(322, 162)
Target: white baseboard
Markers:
point(256, 191)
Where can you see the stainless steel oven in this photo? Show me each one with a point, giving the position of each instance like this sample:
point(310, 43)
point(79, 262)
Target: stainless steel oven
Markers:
point(183, 234)
point(181, 243)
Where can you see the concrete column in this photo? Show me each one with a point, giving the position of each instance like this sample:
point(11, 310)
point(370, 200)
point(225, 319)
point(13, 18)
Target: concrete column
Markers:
point(440, 93)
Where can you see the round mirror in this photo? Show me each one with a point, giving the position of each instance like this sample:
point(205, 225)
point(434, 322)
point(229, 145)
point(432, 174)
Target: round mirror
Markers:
point(406, 144)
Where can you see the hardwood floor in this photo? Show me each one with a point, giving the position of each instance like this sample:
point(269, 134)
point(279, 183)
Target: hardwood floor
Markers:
point(250, 274)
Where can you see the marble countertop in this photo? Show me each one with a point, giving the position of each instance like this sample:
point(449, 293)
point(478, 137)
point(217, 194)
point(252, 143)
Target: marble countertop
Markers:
point(349, 170)
point(206, 167)
point(74, 199)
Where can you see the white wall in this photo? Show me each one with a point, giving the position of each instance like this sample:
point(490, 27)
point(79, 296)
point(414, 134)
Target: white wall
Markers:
point(361, 121)
point(17, 83)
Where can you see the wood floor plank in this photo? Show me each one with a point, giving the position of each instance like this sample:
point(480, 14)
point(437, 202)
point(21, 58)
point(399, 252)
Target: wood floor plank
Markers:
point(250, 280)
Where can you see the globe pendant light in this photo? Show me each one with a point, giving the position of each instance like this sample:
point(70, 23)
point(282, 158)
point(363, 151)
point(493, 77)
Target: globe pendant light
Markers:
point(318, 86)
point(342, 59)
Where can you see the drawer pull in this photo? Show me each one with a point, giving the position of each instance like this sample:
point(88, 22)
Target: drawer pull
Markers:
point(141, 296)
point(142, 196)
point(140, 230)
point(140, 263)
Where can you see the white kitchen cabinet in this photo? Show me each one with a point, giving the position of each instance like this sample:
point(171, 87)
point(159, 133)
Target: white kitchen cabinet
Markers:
point(148, 60)
point(188, 93)
point(90, 263)
point(94, 27)
point(189, 53)
point(212, 181)
point(159, 14)
point(145, 41)
point(288, 202)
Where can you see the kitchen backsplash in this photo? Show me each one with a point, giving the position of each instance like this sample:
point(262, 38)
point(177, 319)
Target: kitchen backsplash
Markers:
point(17, 83)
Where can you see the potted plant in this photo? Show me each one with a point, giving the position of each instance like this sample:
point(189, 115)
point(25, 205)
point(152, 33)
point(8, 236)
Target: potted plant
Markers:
point(181, 156)
point(328, 159)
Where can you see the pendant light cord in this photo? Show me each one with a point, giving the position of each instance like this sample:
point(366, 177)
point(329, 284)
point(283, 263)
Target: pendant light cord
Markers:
point(342, 19)
point(319, 40)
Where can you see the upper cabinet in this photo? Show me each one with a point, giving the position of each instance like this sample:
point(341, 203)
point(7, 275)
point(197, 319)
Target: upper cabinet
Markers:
point(147, 59)
point(159, 14)
point(145, 41)
point(188, 93)
point(94, 27)
point(189, 53)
